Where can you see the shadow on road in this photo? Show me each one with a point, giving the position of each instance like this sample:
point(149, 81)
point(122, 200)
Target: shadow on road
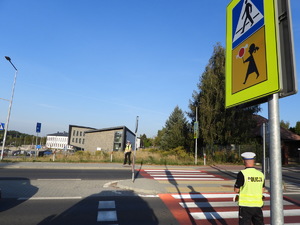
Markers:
point(210, 213)
point(14, 188)
point(201, 202)
point(173, 181)
point(120, 207)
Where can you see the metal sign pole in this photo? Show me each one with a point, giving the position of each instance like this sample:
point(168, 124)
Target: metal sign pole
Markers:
point(9, 108)
point(133, 158)
point(275, 158)
point(264, 150)
point(196, 140)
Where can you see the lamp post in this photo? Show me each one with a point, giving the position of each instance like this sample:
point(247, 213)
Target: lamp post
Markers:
point(10, 104)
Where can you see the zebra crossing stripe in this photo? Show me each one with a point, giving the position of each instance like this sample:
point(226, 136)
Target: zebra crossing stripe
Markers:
point(185, 178)
point(234, 214)
point(192, 175)
point(183, 171)
point(219, 204)
point(180, 175)
point(201, 196)
point(288, 224)
point(214, 215)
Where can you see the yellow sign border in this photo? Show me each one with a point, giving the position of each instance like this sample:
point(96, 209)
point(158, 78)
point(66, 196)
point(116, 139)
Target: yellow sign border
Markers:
point(272, 84)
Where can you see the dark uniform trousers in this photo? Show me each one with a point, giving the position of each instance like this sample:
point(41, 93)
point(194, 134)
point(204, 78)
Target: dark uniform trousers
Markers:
point(250, 214)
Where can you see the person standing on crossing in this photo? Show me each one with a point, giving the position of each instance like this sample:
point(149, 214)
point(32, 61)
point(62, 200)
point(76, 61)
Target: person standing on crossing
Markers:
point(127, 153)
point(250, 184)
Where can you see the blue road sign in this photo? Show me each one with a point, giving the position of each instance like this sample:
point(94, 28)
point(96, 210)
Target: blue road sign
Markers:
point(2, 126)
point(38, 127)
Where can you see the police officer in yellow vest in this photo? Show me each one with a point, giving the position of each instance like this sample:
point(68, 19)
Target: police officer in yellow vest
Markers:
point(127, 153)
point(250, 185)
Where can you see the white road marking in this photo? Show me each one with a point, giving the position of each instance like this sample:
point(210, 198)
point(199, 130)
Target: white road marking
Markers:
point(59, 179)
point(106, 205)
point(49, 198)
point(186, 178)
point(107, 216)
point(234, 214)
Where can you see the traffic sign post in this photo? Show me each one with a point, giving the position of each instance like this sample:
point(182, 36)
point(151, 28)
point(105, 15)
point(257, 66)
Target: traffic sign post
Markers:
point(259, 51)
point(38, 130)
point(260, 67)
point(196, 136)
point(251, 51)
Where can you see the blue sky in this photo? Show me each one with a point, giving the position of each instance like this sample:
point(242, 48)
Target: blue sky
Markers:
point(101, 63)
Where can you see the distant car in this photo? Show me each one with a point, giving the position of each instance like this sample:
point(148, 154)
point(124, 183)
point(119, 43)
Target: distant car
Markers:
point(31, 153)
point(8, 151)
point(4, 153)
point(20, 152)
point(46, 152)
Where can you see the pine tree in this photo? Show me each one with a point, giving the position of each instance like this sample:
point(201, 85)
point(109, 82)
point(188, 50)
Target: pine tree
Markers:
point(218, 125)
point(176, 131)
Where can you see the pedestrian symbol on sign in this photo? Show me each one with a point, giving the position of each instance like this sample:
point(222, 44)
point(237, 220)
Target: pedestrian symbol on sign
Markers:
point(248, 17)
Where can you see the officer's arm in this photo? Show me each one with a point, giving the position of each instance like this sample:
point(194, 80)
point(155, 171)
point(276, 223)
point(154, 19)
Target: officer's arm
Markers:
point(263, 189)
point(239, 182)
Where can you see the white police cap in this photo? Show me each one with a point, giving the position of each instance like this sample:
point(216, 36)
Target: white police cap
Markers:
point(248, 155)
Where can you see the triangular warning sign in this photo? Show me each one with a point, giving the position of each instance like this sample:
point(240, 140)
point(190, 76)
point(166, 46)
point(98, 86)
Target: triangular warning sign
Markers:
point(249, 16)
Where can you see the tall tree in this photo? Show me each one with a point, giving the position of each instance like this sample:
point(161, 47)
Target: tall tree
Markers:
point(145, 142)
point(284, 124)
point(217, 124)
point(297, 128)
point(176, 131)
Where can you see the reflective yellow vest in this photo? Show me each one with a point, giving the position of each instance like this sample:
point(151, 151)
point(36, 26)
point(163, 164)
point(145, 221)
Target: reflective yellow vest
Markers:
point(251, 192)
point(128, 148)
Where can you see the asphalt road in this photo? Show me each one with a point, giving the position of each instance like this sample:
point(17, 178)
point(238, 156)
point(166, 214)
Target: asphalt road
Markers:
point(72, 197)
point(132, 210)
point(82, 196)
point(90, 174)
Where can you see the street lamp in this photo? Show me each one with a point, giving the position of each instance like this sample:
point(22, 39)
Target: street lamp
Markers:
point(10, 104)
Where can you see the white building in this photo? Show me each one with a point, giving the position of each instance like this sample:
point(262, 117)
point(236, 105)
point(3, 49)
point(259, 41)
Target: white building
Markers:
point(58, 141)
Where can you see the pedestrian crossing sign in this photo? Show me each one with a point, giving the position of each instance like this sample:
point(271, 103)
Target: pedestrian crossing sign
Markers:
point(2, 126)
point(251, 51)
point(248, 18)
